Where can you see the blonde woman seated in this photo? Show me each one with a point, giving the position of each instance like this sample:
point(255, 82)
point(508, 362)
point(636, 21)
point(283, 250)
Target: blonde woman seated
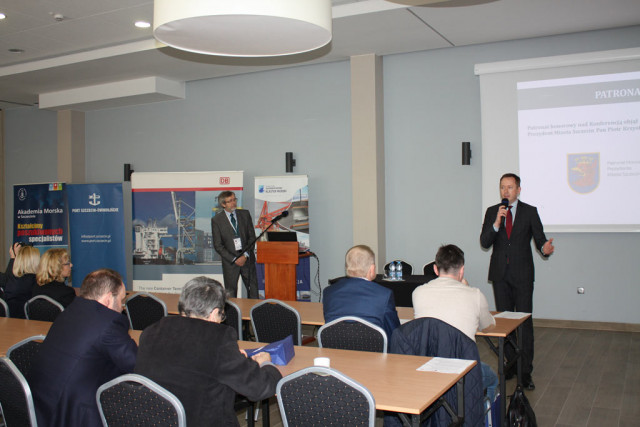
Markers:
point(55, 268)
point(20, 278)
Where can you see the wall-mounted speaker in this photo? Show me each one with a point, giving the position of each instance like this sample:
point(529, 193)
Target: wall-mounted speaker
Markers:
point(466, 153)
point(289, 161)
point(128, 171)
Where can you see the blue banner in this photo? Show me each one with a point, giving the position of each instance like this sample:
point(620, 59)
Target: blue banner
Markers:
point(40, 215)
point(96, 221)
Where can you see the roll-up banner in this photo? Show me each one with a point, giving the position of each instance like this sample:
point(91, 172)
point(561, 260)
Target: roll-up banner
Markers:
point(274, 195)
point(172, 213)
point(40, 215)
point(96, 220)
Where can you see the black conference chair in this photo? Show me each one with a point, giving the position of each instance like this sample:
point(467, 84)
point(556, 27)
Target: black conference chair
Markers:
point(323, 396)
point(273, 320)
point(352, 333)
point(407, 269)
point(4, 309)
point(234, 317)
point(23, 352)
point(16, 401)
point(134, 400)
point(143, 309)
point(427, 269)
point(42, 307)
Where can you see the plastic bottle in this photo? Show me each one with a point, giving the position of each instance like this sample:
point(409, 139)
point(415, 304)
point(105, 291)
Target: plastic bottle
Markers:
point(399, 270)
point(392, 270)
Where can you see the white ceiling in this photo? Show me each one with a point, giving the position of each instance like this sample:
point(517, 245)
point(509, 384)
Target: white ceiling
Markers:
point(97, 43)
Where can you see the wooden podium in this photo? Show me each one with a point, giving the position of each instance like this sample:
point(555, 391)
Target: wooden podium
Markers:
point(280, 260)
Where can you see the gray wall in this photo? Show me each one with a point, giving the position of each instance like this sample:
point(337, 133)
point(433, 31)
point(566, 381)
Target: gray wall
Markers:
point(248, 122)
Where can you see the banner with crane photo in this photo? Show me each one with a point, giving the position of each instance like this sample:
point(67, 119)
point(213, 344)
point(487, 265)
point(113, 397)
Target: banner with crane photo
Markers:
point(273, 196)
point(172, 213)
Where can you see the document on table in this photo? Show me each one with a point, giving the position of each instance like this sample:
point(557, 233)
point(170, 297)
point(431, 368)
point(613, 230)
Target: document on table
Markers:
point(445, 366)
point(512, 315)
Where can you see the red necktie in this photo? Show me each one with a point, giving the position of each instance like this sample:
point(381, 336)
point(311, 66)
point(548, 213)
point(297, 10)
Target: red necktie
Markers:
point(509, 223)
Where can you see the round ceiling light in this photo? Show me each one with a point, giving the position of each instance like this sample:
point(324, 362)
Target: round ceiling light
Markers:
point(246, 28)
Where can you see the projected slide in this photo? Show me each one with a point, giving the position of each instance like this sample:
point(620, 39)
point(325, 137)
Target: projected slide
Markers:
point(579, 150)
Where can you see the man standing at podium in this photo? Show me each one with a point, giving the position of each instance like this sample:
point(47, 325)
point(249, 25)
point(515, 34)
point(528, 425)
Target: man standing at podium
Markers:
point(232, 229)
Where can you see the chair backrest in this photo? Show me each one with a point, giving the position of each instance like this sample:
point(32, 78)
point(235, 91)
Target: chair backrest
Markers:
point(4, 309)
point(15, 396)
point(143, 309)
point(427, 270)
point(344, 402)
point(407, 269)
point(23, 352)
point(432, 337)
point(273, 320)
point(42, 307)
point(234, 317)
point(134, 400)
point(352, 333)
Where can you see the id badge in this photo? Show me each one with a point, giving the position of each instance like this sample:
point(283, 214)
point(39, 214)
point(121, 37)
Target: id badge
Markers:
point(238, 243)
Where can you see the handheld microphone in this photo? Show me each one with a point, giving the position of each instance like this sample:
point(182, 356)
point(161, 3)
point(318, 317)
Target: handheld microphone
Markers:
point(282, 215)
point(505, 203)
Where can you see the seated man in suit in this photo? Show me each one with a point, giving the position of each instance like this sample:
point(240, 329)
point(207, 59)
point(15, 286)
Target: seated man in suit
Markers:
point(356, 295)
point(196, 357)
point(450, 298)
point(87, 345)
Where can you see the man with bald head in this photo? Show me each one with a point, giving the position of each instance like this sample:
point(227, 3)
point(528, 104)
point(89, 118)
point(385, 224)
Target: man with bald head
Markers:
point(356, 294)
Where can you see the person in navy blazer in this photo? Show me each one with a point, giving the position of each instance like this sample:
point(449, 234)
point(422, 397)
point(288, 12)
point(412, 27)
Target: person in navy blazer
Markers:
point(511, 268)
point(87, 346)
point(228, 242)
point(356, 295)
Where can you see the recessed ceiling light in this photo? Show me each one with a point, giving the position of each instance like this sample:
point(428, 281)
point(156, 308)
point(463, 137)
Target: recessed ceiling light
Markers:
point(142, 24)
point(16, 50)
point(2, 15)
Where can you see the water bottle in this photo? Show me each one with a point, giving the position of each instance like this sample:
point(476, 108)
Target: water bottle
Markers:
point(392, 270)
point(399, 270)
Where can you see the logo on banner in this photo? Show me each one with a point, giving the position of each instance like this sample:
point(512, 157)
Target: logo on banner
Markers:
point(94, 199)
point(55, 186)
point(260, 188)
point(583, 170)
point(22, 194)
point(225, 180)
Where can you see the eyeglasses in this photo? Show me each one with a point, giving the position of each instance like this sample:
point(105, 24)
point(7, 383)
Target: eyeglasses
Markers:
point(223, 316)
point(231, 200)
point(66, 263)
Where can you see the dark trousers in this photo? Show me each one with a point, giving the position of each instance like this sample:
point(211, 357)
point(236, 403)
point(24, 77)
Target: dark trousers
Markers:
point(512, 295)
point(230, 273)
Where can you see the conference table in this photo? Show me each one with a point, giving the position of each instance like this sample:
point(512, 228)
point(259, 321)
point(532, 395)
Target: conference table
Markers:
point(311, 314)
point(392, 378)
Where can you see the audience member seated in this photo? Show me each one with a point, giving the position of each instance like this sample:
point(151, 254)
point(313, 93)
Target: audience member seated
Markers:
point(450, 299)
point(87, 346)
point(20, 278)
point(197, 358)
point(55, 268)
point(357, 295)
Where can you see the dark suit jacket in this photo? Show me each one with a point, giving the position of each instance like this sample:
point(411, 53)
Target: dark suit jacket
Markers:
point(201, 364)
point(517, 249)
point(17, 290)
point(59, 291)
point(353, 296)
point(87, 346)
point(223, 235)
